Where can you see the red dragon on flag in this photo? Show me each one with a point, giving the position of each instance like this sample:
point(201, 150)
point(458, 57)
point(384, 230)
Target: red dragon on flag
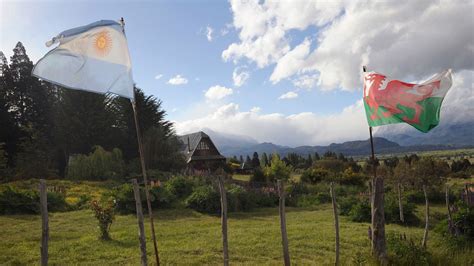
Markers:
point(390, 101)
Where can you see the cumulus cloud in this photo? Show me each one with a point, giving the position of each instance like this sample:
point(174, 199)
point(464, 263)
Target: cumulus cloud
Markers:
point(288, 95)
point(158, 76)
point(218, 92)
point(304, 128)
point(401, 39)
point(178, 80)
point(209, 32)
point(240, 76)
point(308, 128)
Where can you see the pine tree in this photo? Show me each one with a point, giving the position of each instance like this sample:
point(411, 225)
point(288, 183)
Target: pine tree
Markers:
point(255, 160)
point(264, 161)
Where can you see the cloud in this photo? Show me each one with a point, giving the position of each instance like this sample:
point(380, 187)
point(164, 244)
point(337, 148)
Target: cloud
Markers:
point(240, 77)
point(209, 32)
point(178, 80)
point(406, 40)
point(288, 95)
point(158, 76)
point(308, 128)
point(218, 92)
point(293, 130)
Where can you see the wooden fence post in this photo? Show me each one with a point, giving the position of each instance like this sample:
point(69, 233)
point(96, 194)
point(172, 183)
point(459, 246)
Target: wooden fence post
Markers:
point(284, 237)
point(141, 226)
point(44, 222)
point(225, 246)
point(336, 221)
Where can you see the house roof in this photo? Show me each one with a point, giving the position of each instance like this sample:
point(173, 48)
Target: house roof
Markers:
point(194, 139)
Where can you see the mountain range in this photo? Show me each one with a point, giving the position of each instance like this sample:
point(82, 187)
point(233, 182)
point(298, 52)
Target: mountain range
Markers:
point(399, 139)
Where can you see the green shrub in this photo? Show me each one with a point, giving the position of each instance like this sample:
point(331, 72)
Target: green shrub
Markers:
point(405, 252)
point(312, 200)
point(239, 199)
point(314, 175)
point(349, 177)
point(258, 176)
point(125, 198)
point(360, 212)
point(99, 165)
point(179, 186)
point(392, 211)
point(266, 197)
point(346, 204)
point(105, 215)
point(14, 201)
point(161, 197)
point(204, 199)
point(57, 202)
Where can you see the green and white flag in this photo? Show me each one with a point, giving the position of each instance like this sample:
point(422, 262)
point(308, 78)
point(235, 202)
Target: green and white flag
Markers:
point(390, 101)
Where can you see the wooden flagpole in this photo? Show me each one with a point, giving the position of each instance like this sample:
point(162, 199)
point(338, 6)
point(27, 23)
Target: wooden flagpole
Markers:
point(377, 206)
point(145, 180)
point(142, 163)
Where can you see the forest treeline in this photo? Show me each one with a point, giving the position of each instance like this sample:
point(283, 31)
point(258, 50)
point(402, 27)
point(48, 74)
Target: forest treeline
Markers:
point(43, 125)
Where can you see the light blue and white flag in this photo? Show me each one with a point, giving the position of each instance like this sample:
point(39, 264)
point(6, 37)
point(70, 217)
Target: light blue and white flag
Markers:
point(93, 58)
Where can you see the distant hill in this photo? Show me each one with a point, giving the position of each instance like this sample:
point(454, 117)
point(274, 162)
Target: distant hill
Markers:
point(457, 134)
point(230, 145)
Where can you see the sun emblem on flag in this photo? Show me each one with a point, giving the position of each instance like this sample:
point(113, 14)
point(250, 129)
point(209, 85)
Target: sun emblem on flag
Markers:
point(103, 43)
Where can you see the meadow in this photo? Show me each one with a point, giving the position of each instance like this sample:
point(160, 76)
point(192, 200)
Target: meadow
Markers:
point(188, 237)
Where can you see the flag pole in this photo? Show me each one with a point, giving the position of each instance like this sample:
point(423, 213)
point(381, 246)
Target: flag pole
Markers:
point(142, 163)
point(376, 204)
point(145, 180)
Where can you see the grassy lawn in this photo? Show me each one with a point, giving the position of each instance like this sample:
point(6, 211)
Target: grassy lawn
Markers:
point(188, 237)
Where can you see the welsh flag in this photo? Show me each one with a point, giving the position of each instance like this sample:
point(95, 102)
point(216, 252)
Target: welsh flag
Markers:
point(390, 101)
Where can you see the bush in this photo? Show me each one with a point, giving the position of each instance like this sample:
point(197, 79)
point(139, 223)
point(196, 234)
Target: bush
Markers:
point(204, 199)
point(239, 199)
point(266, 197)
point(125, 198)
point(14, 201)
point(311, 200)
point(57, 202)
point(314, 175)
point(179, 186)
point(258, 176)
point(99, 165)
point(360, 212)
point(392, 211)
point(104, 213)
point(161, 197)
point(406, 252)
point(349, 177)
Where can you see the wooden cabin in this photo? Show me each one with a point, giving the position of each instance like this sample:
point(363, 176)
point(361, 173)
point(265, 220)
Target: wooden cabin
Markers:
point(200, 152)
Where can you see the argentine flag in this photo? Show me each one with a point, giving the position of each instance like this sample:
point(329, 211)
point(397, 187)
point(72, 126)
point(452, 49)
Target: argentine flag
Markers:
point(93, 58)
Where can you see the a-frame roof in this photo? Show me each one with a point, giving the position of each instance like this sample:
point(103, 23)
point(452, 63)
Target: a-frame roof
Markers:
point(189, 143)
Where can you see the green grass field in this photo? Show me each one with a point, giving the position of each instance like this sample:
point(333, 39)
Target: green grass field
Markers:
point(187, 237)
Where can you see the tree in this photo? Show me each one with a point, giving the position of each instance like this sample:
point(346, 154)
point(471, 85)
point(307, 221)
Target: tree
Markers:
point(255, 160)
point(241, 159)
point(401, 173)
point(248, 161)
point(309, 160)
point(316, 156)
point(278, 169)
point(428, 174)
point(264, 161)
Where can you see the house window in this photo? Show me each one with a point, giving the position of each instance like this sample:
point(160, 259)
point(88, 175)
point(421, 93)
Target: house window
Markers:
point(202, 146)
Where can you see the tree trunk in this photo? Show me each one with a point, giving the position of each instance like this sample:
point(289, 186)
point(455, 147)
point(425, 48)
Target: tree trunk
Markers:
point(284, 236)
point(427, 215)
point(378, 221)
point(225, 246)
point(336, 221)
point(400, 204)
